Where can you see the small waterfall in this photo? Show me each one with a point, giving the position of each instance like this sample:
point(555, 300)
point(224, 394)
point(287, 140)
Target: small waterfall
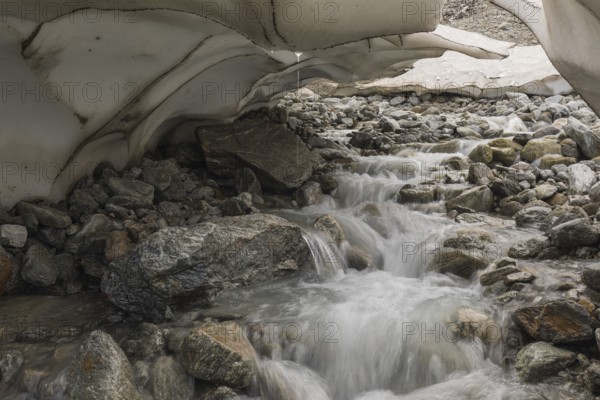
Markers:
point(328, 260)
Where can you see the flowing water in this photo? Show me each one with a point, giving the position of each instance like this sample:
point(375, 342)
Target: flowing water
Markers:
point(397, 330)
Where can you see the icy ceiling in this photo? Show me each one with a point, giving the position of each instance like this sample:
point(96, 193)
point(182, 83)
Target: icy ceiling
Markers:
point(85, 82)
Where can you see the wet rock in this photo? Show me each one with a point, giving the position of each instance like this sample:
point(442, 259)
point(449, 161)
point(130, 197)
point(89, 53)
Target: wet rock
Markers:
point(200, 261)
point(246, 181)
point(530, 248)
point(280, 160)
point(13, 235)
point(497, 275)
point(574, 234)
point(482, 153)
point(591, 277)
point(581, 178)
point(480, 174)
point(219, 353)
point(478, 199)
point(505, 187)
point(330, 227)
point(587, 140)
point(11, 362)
point(309, 194)
point(511, 208)
point(144, 342)
point(532, 217)
point(170, 381)
point(38, 266)
point(101, 371)
point(451, 146)
point(221, 393)
point(463, 263)
point(592, 378)
point(519, 277)
point(47, 216)
point(328, 182)
point(557, 321)
point(417, 194)
point(540, 359)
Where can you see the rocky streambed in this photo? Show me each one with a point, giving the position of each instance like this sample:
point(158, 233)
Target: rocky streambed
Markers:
point(406, 247)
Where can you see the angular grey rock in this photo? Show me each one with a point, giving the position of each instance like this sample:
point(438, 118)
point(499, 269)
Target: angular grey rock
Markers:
point(591, 277)
point(13, 235)
point(47, 216)
point(280, 160)
point(309, 194)
point(519, 277)
point(545, 191)
point(482, 153)
point(239, 205)
point(557, 321)
point(587, 140)
point(532, 217)
point(91, 238)
point(101, 371)
point(11, 362)
point(170, 381)
point(463, 263)
point(82, 202)
point(219, 353)
point(246, 181)
point(416, 194)
point(594, 192)
point(592, 378)
point(540, 359)
point(200, 261)
point(505, 187)
point(574, 234)
point(328, 225)
point(497, 275)
point(159, 174)
point(478, 199)
point(581, 178)
point(528, 249)
point(130, 192)
point(38, 266)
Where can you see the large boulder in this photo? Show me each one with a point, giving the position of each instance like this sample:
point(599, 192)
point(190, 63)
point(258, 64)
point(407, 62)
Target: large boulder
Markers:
point(478, 199)
point(581, 178)
point(532, 217)
point(537, 148)
point(200, 261)
point(101, 371)
point(540, 359)
point(280, 160)
point(575, 233)
point(557, 321)
point(219, 353)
